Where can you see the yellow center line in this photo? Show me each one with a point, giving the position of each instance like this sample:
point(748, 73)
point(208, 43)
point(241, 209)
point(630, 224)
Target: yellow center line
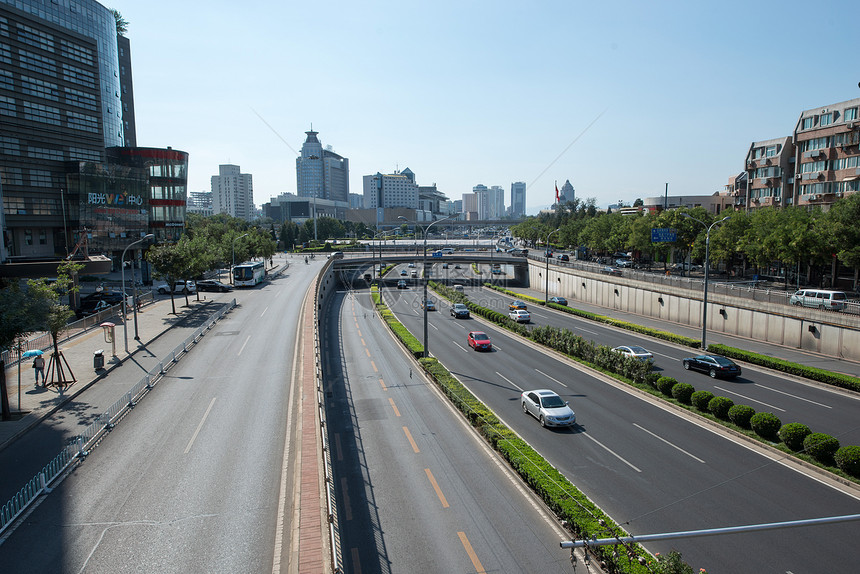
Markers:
point(360, 338)
point(382, 384)
point(411, 440)
point(438, 490)
point(366, 350)
point(372, 364)
point(393, 406)
point(357, 329)
point(479, 568)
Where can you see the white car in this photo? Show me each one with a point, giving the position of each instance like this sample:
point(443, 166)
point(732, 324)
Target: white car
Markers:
point(184, 287)
point(520, 316)
point(548, 408)
point(635, 352)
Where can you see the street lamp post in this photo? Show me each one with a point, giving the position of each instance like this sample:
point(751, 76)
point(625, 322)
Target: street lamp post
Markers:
point(546, 256)
point(233, 249)
point(124, 300)
point(424, 272)
point(707, 270)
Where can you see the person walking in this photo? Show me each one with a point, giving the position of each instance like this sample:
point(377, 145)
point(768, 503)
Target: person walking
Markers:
point(39, 367)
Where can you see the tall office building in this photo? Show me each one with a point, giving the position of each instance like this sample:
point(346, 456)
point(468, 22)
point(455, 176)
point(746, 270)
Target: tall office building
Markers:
point(491, 201)
point(566, 193)
point(320, 172)
point(518, 199)
point(390, 190)
point(233, 192)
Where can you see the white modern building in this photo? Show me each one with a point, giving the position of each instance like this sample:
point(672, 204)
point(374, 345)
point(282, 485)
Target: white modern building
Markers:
point(491, 201)
point(390, 190)
point(233, 192)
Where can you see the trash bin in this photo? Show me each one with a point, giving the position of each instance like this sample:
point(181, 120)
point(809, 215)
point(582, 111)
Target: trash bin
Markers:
point(99, 359)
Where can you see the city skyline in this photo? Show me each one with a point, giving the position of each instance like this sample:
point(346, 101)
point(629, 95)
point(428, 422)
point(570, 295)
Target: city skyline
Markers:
point(620, 99)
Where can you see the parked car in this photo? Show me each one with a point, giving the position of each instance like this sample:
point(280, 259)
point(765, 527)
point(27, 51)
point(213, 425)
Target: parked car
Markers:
point(520, 316)
point(184, 287)
point(610, 270)
point(401, 284)
point(517, 304)
point(635, 352)
point(548, 408)
point(109, 297)
point(460, 311)
point(714, 365)
point(558, 300)
point(91, 307)
point(213, 285)
point(479, 341)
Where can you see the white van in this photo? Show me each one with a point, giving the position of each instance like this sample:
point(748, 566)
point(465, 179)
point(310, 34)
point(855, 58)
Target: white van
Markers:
point(821, 299)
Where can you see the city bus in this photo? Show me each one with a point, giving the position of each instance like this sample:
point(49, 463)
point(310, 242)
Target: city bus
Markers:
point(249, 274)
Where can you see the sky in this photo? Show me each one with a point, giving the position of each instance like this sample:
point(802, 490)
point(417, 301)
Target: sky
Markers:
point(619, 97)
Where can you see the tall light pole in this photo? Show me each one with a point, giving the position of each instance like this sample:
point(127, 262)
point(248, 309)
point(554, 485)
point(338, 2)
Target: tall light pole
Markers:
point(424, 272)
point(707, 269)
point(233, 249)
point(124, 300)
point(546, 255)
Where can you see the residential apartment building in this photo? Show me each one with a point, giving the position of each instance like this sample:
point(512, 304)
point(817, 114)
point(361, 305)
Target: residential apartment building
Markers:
point(470, 206)
point(518, 199)
point(233, 192)
point(200, 202)
point(770, 173)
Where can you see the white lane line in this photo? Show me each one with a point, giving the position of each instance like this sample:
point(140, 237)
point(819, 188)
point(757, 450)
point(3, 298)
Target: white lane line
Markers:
point(434, 326)
point(510, 382)
point(243, 345)
point(793, 396)
point(669, 443)
point(199, 426)
point(595, 333)
point(264, 311)
point(610, 451)
point(464, 349)
point(667, 356)
point(749, 399)
point(551, 378)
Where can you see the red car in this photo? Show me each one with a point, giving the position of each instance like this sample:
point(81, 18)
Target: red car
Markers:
point(479, 341)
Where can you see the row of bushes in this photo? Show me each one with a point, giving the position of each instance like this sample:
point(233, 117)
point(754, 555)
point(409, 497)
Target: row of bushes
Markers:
point(416, 348)
point(586, 520)
point(797, 437)
point(822, 448)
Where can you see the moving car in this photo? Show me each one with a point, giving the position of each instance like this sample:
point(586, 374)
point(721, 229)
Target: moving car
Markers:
point(558, 300)
point(403, 272)
point(430, 305)
point(547, 407)
point(520, 316)
point(563, 257)
point(401, 284)
point(714, 365)
point(184, 287)
point(414, 274)
point(444, 266)
point(517, 305)
point(411, 265)
point(820, 298)
point(479, 341)
point(212, 285)
point(635, 352)
point(460, 311)
point(457, 266)
point(611, 271)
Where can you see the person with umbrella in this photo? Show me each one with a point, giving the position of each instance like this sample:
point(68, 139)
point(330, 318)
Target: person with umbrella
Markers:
point(38, 365)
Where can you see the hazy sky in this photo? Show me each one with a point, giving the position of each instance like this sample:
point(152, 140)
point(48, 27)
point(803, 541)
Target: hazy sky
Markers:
point(618, 97)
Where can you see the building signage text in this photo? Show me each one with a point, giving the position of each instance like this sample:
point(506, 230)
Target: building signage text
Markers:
point(114, 199)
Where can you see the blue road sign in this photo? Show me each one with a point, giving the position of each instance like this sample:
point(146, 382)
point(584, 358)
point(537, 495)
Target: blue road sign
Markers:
point(663, 235)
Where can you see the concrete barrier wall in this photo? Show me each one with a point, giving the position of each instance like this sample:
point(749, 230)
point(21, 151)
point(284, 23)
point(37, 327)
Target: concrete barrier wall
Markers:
point(797, 327)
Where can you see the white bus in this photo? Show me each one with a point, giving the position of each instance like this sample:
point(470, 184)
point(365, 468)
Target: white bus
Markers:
point(249, 274)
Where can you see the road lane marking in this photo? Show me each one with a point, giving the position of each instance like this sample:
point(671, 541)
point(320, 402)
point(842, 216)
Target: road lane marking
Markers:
point(610, 451)
point(595, 333)
point(393, 406)
point(382, 384)
point(366, 350)
point(462, 348)
point(435, 484)
point(411, 440)
point(360, 338)
point(372, 364)
point(794, 396)
point(749, 399)
point(669, 443)
point(347, 506)
point(551, 378)
point(479, 568)
point(243, 345)
point(510, 381)
point(199, 426)
point(264, 311)
point(667, 356)
point(338, 447)
point(356, 561)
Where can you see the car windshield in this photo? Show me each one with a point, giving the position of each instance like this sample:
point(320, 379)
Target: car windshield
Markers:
point(638, 350)
point(723, 362)
point(480, 336)
point(552, 402)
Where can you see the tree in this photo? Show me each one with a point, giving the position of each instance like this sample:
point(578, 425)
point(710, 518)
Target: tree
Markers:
point(844, 231)
point(171, 263)
point(121, 23)
point(19, 318)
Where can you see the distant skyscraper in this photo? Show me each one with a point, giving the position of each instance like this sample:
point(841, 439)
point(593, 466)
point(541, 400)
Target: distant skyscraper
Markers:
point(320, 172)
point(566, 193)
point(491, 201)
point(233, 192)
point(518, 199)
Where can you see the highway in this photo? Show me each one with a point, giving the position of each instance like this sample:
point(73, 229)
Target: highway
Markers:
point(649, 468)
point(417, 490)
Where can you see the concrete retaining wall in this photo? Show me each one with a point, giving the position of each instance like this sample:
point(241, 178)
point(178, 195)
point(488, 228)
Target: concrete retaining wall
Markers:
point(802, 328)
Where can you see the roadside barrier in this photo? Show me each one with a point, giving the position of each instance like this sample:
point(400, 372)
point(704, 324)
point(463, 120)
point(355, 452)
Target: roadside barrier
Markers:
point(78, 447)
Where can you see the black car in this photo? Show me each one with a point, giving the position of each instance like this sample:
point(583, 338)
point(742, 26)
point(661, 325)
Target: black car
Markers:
point(91, 307)
point(109, 297)
point(714, 365)
point(563, 257)
point(212, 285)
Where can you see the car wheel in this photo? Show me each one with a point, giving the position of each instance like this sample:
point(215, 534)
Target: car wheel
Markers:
point(162, 291)
point(542, 422)
point(687, 365)
point(796, 303)
point(713, 374)
point(525, 409)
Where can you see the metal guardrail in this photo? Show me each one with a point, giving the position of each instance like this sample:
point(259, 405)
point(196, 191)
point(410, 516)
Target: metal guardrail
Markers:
point(77, 449)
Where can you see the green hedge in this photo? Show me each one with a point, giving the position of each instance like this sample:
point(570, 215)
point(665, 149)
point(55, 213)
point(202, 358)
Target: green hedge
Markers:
point(848, 459)
point(700, 400)
point(821, 447)
point(766, 425)
point(741, 415)
point(719, 407)
point(792, 434)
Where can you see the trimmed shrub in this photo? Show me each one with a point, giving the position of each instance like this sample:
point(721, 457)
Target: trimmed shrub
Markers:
point(682, 392)
point(665, 384)
point(741, 415)
point(719, 407)
point(766, 425)
point(793, 434)
point(821, 447)
point(700, 399)
point(848, 459)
